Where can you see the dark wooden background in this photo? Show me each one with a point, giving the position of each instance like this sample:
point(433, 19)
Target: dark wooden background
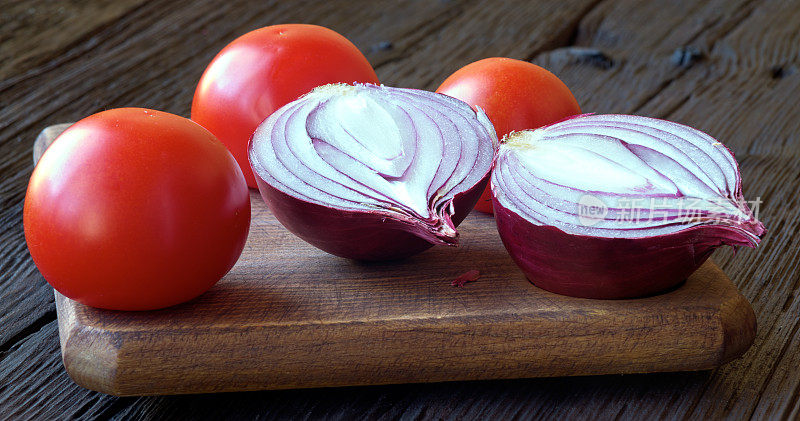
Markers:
point(728, 67)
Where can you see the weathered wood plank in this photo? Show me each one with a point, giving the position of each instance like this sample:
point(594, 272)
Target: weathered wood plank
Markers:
point(516, 29)
point(627, 49)
point(738, 97)
point(734, 94)
point(125, 67)
point(34, 385)
point(36, 33)
point(742, 90)
point(31, 306)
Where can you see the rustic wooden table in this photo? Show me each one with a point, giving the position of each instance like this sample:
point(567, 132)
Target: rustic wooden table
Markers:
point(728, 67)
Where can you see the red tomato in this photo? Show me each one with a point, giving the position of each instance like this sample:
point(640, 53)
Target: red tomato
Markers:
point(135, 209)
point(264, 70)
point(515, 95)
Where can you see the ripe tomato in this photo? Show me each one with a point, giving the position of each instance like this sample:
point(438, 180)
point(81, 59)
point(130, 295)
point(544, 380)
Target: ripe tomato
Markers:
point(515, 95)
point(134, 209)
point(264, 70)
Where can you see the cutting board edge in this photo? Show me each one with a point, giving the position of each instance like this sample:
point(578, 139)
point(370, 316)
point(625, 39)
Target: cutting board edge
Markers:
point(95, 359)
point(739, 326)
point(89, 362)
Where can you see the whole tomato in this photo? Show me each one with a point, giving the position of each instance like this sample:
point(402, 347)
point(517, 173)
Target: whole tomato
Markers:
point(264, 70)
point(515, 95)
point(135, 209)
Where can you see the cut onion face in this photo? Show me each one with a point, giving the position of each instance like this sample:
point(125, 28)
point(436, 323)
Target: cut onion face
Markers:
point(617, 206)
point(371, 172)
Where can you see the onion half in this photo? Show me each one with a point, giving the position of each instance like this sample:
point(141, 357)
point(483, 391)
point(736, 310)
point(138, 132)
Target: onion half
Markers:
point(371, 172)
point(617, 206)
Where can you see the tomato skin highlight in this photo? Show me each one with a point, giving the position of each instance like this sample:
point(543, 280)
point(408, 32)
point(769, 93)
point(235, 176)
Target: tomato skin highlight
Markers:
point(515, 94)
point(135, 209)
point(264, 70)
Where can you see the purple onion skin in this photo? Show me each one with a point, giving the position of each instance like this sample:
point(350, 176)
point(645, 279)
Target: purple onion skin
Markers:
point(607, 268)
point(363, 235)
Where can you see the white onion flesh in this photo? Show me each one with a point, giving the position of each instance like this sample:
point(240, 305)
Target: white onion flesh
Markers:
point(403, 153)
point(670, 176)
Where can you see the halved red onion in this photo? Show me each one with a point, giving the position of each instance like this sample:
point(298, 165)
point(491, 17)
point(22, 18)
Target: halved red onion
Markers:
point(371, 172)
point(617, 206)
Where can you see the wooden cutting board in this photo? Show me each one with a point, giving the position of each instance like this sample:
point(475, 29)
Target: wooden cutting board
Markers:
point(291, 316)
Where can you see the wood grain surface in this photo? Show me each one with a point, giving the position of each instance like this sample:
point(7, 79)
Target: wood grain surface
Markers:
point(728, 67)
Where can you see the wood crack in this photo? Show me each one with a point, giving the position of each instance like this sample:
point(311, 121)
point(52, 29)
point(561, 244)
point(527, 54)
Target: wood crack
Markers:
point(569, 35)
point(684, 70)
point(35, 326)
point(793, 404)
point(419, 34)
